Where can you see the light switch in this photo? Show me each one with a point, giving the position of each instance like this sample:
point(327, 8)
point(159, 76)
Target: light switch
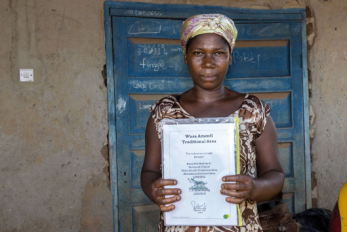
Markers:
point(26, 75)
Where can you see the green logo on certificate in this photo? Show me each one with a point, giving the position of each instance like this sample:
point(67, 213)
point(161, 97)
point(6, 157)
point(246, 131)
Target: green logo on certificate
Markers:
point(226, 216)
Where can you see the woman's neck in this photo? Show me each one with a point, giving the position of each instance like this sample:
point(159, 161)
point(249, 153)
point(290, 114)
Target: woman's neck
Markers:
point(207, 96)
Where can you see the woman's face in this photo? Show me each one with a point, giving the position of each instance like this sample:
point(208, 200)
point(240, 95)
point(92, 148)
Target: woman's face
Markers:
point(208, 58)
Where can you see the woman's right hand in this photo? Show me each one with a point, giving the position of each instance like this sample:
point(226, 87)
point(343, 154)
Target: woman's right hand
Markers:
point(159, 194)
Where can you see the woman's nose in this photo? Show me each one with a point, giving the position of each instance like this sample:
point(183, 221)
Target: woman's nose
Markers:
point(208, 61)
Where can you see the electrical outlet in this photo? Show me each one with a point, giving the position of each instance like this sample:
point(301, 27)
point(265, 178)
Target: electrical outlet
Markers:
point(26, 75)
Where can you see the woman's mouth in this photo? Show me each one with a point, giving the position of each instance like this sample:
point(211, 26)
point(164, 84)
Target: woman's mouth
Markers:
point(209, 77)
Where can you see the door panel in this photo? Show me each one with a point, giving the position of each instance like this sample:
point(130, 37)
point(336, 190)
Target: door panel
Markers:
point(144, 214)
point(148, 64)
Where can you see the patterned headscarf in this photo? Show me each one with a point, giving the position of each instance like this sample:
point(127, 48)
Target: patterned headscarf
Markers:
point(208, 23)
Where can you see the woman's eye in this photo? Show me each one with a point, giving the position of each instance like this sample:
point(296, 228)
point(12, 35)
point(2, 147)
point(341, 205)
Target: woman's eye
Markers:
point(219, 53)
point(197, 53)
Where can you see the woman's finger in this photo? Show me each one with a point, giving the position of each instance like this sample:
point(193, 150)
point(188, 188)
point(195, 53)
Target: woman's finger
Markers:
point(167, 208)
point(235, 200)
point(163, 182)
point(169, 200)
point(159, 190)
point(235, 194)
point(236, 186)
point(237, 178)
point(168, 191)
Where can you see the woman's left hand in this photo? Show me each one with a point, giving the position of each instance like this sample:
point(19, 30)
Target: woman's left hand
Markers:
point(239, 190)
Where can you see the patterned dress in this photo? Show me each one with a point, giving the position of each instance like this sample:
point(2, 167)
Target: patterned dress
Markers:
point(253, 114)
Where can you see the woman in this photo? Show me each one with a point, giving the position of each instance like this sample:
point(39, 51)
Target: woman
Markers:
point(207, 43)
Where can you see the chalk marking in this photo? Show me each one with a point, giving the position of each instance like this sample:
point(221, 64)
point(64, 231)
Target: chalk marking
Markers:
point(155, 65)
point(174, 66)
point(156, 86)
point(247, 58)
point(140, 86)
point(139, 26)
point(155, 50)
point(143, 13)
point(176, 49)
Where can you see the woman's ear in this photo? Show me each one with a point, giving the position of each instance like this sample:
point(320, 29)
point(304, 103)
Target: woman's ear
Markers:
point(185, 58)
point(230, 58)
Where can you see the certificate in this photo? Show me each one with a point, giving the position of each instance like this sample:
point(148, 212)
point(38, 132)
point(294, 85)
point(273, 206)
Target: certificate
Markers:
point(198, 156)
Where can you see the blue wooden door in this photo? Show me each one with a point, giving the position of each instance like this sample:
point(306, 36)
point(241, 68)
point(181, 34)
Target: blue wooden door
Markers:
point(145, 63)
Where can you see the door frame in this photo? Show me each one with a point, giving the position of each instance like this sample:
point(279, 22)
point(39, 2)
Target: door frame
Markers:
point(131, 9)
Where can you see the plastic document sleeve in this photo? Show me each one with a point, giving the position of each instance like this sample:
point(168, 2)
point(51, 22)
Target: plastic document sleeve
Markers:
point(197, 153)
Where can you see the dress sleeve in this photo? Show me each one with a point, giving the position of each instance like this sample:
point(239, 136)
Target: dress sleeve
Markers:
point(159, 111)
point(263, 113)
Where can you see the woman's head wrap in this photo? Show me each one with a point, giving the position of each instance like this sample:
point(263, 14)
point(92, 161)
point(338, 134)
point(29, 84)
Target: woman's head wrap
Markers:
point(208, 23)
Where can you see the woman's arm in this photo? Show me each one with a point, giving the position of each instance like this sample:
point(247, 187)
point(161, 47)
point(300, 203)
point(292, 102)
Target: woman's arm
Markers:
point(270, 174)
point(151, 182)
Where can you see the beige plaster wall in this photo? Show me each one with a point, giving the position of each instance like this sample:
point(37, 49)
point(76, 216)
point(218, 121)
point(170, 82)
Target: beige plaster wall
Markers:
point(328, 68)
point(53, 132)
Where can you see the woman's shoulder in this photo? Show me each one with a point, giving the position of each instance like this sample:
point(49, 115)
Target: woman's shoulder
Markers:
point(164, 103)
point(254, 103)
point(254, 112)
point(246, 101)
